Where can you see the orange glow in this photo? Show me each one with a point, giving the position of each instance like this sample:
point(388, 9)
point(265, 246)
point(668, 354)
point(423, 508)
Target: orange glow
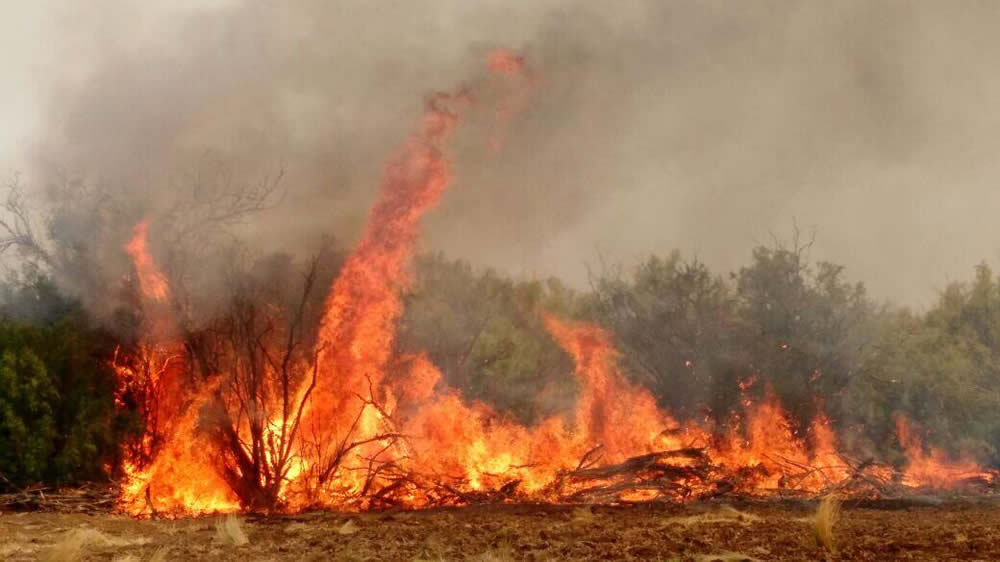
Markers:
point(183, 479)
point(152, 283)
point(518, 84)
point(354, 436)
point(931, 467)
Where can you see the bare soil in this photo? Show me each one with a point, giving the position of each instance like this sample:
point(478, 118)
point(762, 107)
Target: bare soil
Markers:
point(715, 530)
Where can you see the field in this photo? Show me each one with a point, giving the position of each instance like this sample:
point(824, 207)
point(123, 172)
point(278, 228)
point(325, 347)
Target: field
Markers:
point(729, 531)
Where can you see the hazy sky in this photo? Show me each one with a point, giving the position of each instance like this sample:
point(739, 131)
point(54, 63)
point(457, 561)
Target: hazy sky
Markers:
point(703, 126)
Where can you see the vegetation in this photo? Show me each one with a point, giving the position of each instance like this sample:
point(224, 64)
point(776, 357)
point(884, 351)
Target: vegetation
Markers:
point(58, 418)
point(826, 517)
point(780, 324)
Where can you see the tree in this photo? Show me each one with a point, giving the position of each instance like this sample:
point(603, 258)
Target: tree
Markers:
point(806, 329)
point(940, 369)
point(675, 322)
point(59, 421)
point(27, 428)
point(485, 333)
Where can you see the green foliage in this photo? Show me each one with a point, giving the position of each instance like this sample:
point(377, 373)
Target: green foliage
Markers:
point(806, 330)
point(58, 420)
point(691, 337)
point(940, 369)
point(688, 334)
point(676, 324)
point(27, 398)
point(486, 335)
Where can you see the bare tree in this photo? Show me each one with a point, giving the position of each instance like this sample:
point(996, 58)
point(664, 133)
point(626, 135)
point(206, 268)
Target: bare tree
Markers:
point(18, 225)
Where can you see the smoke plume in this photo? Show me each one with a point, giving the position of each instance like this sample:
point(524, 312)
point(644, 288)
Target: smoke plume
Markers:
point(703, 126)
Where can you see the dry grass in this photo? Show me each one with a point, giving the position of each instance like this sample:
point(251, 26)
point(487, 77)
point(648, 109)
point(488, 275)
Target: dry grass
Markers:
point(496, 555)
point(229, 531)
point(726, 557)
point(725, 514)
point(583, 515)
point(491, 533)
point(73, 544)
point(159, 556)
point(826, 517)
point(348, 528)
point(296, 528)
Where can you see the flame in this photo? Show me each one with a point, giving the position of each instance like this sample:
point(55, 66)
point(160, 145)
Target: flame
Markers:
point(357, 438)
point(152, 282)
point(930, 467)
point(183, 479)
point(519, 82)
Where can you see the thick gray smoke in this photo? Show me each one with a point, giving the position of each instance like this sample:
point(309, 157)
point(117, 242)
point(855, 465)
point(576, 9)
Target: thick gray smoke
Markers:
point(703, 126)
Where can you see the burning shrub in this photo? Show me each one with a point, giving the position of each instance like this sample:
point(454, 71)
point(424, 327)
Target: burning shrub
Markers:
point(483, 331)
point(692, 337)
point(677, 324)
point(261, 350)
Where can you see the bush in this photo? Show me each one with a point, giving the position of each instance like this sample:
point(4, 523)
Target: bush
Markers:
point(27, 401)
point(58, 419)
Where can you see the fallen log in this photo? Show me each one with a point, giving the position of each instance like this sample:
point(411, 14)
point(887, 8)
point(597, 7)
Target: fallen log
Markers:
point(661, 475)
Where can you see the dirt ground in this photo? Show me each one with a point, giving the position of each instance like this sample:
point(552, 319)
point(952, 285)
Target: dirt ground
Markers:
point(717, 530)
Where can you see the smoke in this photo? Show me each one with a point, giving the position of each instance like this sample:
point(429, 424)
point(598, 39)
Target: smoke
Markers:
point(703, 126)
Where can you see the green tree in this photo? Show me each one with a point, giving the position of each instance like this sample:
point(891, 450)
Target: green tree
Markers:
point(486, 335)
point(806, 329)
point(941, 369)
point(58, 418)
point(27, 401)
point(675, 323)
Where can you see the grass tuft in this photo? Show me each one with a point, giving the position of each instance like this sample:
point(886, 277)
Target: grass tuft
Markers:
point(725, 514)
point(73, 544)
point(826, 517)
point(229, 531)
point(348, 528)
point(583, 515)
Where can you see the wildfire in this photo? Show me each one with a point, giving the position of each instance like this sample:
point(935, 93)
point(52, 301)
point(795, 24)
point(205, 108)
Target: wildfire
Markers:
point(332, 428)
point(151, 281)
point(933, 468)
point(519, 82)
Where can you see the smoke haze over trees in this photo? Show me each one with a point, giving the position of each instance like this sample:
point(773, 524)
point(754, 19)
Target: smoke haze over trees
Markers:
point(696, 125)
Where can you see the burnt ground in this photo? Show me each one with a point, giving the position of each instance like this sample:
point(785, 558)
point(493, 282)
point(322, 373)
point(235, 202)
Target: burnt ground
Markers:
point(716, 530)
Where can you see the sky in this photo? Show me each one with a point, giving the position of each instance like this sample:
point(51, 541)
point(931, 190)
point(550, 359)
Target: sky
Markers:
point(707, 127)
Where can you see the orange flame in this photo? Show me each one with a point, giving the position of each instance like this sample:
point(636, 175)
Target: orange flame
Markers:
point(519, 81)
point(932, 467)
point(365, 439)
point(152, 282)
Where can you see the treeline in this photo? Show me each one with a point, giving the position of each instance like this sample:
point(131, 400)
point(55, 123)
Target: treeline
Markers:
point(702, 342)
point(699, 340)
